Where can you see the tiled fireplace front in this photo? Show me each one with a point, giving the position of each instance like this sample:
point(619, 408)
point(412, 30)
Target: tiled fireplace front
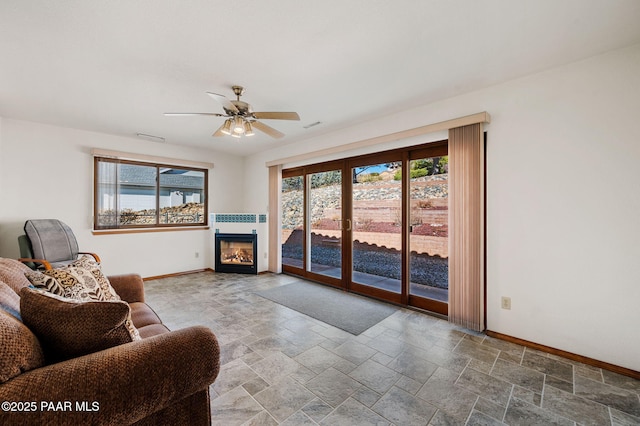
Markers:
point(240, 242)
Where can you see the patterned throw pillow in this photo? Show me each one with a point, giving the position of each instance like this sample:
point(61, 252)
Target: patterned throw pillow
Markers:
point(81, 280)
point(69, 328)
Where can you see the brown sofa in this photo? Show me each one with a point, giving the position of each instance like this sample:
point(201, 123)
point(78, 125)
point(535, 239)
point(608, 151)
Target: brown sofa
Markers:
point(163, 378)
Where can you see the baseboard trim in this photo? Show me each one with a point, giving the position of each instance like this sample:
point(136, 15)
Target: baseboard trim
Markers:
point(177, 274)
point(568, 355)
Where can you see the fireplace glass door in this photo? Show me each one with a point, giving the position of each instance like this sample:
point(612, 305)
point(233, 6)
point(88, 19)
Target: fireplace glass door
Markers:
point(236, 253)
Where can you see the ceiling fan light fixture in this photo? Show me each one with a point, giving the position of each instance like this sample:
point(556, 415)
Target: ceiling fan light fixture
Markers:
point(248, 131)
point(238, 127)
point(226, 128)
point(240, 117)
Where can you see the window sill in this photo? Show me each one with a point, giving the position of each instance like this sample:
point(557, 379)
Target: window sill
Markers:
point(146, 230)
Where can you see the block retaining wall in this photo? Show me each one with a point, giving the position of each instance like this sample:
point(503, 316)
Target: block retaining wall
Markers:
point(419, 243)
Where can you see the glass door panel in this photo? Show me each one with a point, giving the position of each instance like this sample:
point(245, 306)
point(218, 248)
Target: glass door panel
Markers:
point(428, 241)
point(324, 239)
point(292, 196)
point(376, 217)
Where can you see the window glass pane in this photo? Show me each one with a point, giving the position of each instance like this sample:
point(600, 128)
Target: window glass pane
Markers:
point(106, 195)
point(181, 196)
point(137, 194)
point(292, 221)
point(429, 266)
point(377, 225)
point(325, 235)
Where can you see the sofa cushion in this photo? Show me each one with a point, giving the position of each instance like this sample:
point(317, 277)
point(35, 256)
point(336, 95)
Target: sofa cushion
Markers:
point(20, 350)
point(12, 273)
point(9, 300)
point(142, 314)
point(152, 330)
point(69, 328)
point(81, 280)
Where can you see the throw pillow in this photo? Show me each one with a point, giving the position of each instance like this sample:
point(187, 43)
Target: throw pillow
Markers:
point(81, 280)
point(12, 272)
point(69, 328)
point(9, 300)
point(20, 350)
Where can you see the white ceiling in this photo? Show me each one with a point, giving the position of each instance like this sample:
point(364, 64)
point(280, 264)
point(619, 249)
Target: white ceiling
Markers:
point(117, 66)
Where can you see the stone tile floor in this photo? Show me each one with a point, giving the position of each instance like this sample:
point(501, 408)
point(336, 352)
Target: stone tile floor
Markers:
point(282, 367)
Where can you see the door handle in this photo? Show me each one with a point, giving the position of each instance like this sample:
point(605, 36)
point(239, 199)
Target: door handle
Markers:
point(349, 224)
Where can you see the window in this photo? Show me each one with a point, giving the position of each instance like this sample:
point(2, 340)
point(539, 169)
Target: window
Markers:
point(131, 194)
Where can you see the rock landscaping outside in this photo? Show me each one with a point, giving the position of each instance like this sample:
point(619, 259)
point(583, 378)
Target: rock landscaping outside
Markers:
point(184, 213)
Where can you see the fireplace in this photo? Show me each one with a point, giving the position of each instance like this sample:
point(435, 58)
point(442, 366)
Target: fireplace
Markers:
point(236, 253)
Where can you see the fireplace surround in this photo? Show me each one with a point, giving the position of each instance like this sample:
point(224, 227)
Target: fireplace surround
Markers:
point(236, 253)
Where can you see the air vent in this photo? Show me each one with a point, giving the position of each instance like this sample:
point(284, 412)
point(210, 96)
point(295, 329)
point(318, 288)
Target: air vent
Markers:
point(150, 137)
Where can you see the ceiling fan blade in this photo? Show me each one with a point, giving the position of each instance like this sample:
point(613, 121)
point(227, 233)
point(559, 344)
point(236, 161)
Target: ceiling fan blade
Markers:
point(218, 132)
point(226, 103)
point(277, 115)
point(267, 129)
point(174, 114)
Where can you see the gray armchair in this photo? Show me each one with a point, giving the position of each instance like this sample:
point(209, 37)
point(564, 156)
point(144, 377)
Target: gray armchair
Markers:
point(50, 243)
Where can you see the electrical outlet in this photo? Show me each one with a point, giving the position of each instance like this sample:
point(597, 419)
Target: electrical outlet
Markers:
point(197, 254)
point(506, 302)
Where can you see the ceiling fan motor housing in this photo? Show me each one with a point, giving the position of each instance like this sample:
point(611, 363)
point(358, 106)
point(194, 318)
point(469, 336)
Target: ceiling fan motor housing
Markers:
point(244, 109)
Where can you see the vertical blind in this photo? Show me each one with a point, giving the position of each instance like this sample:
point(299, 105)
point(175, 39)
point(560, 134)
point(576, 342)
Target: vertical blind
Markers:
point(107, 193)
point(275, 183)
point(466, 226)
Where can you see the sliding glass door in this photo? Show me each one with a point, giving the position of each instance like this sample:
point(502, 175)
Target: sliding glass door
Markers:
point(376, 213)
point(324, 229)
point(312, 222)
point(375, 225)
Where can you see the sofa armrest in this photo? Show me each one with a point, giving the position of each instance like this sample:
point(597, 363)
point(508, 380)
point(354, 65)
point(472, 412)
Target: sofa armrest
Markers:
point(129, 287)
point(120, 385)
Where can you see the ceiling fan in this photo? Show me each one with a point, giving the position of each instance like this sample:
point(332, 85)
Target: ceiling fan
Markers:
point(241, 119)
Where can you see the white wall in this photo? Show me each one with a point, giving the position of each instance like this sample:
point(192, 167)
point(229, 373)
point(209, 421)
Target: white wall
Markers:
point(563, 205)
point(47, 172)
point(2, 202)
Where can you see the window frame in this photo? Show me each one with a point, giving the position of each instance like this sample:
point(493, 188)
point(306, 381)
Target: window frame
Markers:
point(157, 225)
